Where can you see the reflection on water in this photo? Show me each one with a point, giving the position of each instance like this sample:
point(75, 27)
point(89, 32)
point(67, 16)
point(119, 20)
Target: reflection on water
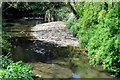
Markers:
point(50, 60)
point(75, 75)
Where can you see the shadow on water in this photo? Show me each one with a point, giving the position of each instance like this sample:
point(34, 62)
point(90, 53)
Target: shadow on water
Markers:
point(46, 59)
point(35, 50)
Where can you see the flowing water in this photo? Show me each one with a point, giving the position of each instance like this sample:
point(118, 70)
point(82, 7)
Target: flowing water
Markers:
point(49, 60)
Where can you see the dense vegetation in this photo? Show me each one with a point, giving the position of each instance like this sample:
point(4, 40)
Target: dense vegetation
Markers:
point(98, 30)
point(14, 70)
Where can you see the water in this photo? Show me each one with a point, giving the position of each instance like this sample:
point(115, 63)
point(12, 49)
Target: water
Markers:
point(75, 75)
point(47, 59)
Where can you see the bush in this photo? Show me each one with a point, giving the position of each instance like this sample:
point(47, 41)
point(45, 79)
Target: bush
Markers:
point(17, 70)
point(14, 70)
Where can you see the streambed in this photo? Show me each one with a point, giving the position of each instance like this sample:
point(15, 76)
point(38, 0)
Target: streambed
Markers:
point(48, 58)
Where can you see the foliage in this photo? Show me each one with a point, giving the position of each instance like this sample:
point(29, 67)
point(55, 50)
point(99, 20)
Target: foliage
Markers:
point(106, 46)
point(17, 70)
point(34, 8)
point(70, 22)
point(5, 61)
point(62, 13)
point(98, 30)
point(86, 21)
point(5, 45)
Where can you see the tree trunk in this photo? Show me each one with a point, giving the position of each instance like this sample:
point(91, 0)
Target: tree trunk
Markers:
point(72, 9)
point(106, 6)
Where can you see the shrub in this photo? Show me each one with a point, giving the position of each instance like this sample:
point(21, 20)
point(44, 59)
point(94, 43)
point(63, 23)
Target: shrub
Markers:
point(17, 70)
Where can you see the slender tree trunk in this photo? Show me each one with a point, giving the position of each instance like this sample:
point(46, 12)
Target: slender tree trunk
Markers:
point(72, 9)
point(106, 6)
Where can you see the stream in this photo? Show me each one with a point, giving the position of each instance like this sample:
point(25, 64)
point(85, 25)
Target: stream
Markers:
point(49, 59)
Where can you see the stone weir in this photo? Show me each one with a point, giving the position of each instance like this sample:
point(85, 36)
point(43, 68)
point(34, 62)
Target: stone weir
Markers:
point(54, 32)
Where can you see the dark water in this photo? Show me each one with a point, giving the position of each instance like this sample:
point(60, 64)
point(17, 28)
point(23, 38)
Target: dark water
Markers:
point(35, 51)
point(48, 59)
